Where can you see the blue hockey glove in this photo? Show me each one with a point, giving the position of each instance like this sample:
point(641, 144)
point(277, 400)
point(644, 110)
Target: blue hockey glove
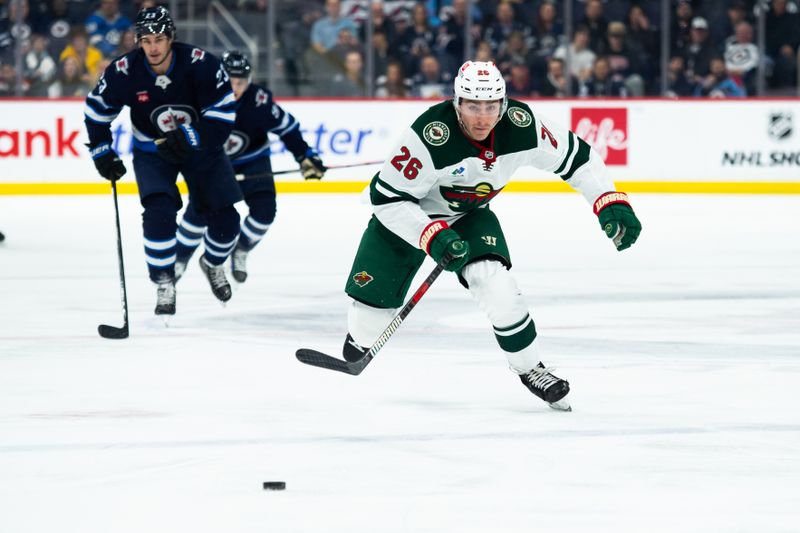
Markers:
point(178, 144)
point(617, 219)
point(107, 162)
point(445, 245)
point(311, 165)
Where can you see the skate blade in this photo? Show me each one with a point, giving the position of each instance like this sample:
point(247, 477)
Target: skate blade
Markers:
point(561, 405)
point(165, 318)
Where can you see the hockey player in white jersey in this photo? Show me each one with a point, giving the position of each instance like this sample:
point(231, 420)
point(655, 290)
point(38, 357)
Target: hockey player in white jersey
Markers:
point(432, 197)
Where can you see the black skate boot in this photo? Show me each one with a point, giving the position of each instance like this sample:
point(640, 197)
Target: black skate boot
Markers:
point(216, 278)
point(239, 264)
point(165, 297)
point(352, 351)
point(548, 387)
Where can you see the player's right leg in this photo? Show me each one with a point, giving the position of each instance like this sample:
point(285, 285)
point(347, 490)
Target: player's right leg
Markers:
point(379, 279)
point(161, 201)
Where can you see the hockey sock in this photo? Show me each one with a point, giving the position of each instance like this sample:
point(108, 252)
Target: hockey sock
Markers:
point(190, 233)
point(365, 323)
point(498, 295)
point(158, 225)
point(255, 225)
point(221, 234)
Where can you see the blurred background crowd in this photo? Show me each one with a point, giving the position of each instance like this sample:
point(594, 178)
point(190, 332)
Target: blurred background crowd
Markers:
point(409, 48)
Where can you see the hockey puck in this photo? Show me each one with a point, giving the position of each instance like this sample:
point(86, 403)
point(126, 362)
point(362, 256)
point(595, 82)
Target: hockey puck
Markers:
point(274, 485)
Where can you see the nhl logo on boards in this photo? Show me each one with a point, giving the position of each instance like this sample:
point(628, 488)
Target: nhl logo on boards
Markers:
point(519, 117)
point(436, 133)
point(362, 278)
point(780, 126)
point(142, 97)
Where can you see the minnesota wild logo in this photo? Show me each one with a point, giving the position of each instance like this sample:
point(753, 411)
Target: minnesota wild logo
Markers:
point(436, 133)
point(463, 198)
point(519, 116)
point(362, 278)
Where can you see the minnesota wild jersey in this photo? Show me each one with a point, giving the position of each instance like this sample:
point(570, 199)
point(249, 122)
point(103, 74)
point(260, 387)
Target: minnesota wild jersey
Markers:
point(437, 172)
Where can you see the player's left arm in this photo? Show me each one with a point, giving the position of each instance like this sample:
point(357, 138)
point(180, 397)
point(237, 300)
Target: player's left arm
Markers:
point(285, 125)
point(216, 99)
point(562, 152)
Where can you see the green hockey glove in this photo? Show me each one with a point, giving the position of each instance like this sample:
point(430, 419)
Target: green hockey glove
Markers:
point(617, 219)
point(444, 245)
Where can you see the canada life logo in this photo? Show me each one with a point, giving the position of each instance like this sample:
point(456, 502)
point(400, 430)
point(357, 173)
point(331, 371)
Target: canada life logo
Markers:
point(605, 129)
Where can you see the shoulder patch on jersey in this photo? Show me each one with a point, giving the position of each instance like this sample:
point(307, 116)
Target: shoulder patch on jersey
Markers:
point(436, 133)
point(122, 65)
point(198, 54)
point(519, 117)
point(261, 97)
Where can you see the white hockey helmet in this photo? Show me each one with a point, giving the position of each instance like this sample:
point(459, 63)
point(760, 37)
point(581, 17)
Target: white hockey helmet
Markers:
point(479, 80)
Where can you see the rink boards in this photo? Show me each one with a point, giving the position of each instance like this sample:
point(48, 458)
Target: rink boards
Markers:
point(682, 146)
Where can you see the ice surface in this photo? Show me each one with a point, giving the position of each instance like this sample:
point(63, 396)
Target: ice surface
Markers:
point(683, 354)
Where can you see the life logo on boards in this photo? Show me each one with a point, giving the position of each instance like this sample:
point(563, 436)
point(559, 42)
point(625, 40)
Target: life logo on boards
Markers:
point(605, 129)
point(436, 133)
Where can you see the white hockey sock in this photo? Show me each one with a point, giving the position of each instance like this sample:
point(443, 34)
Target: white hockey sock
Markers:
point(365, 323)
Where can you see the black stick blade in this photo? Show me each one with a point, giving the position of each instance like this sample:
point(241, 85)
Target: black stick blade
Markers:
point(110, 332)
point(315, 358)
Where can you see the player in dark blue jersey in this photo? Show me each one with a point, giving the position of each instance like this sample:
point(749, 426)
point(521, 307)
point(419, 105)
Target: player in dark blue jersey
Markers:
point(257, 115)
point(182, 111)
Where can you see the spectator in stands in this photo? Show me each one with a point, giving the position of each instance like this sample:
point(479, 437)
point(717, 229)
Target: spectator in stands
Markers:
point(431, 82)
point(106, 26)
point(127, 43)
point(625, 61)
point(595, 21)
point(416, 41)
point(699, 52)
point(519, 83)
point(325, 32)
point(483, 52)
point(556, 83)
point(582, 59)
point(59, 29)
point(380, 22)
point(70, 80)
point(393, 84)
point(719, 84)
point(600, 83)
point(642, 34)
point(548, 35)
point(742, 57)
point(512, 51)
point(503, 26)
point(782, 41)
point(450, 40)
point(681, 27)
point(679, 83)
point(40, 67)
point(88, 56)
point(11, 14)
point(8, 80)
point(736, 13)
point(346, 43)
point(351, 81)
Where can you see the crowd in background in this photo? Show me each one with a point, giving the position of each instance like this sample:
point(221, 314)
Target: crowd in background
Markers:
point(416, 46)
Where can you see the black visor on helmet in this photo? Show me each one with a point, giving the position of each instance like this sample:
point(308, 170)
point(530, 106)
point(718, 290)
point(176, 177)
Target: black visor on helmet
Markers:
point(154, 21)
point(236, 64)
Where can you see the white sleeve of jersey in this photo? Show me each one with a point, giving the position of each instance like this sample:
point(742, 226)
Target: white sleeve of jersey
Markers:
point(406, 177)
point(562, 152)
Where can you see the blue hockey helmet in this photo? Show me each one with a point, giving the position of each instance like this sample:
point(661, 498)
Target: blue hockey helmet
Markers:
point(236, 64)
point(154, 21)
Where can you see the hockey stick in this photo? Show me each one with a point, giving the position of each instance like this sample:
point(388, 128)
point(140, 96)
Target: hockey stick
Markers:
point(243, 177)
point(315, 358)
point(111, 332)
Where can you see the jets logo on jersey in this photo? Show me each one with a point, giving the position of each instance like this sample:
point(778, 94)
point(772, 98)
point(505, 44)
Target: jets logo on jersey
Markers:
point(362, 278)
point(122, 65)
point(463, 198)
point(198, 55)
point(237, 143)
point(262, 98)
point(168, 117)
point(436, 133)
point(519, 117)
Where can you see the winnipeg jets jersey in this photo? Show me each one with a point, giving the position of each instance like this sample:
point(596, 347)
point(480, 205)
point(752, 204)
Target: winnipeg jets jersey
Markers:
point(437, 172)
point(195, 90)
point(257, 114)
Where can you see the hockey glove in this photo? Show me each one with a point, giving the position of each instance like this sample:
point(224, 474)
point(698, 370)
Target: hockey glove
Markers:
point(445, 246)
point(617, 219)
point(311, 165)
point(107, 162)
point(178, 144)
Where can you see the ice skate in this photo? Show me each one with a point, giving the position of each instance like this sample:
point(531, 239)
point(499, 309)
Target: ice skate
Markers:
point(165, 298)
point(180, 266)
point(239, 264)
point(216, 278)
point(548, 387)
point(352, 351)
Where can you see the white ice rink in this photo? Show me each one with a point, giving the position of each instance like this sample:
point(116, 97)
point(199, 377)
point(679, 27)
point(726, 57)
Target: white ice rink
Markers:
point(683, 354)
